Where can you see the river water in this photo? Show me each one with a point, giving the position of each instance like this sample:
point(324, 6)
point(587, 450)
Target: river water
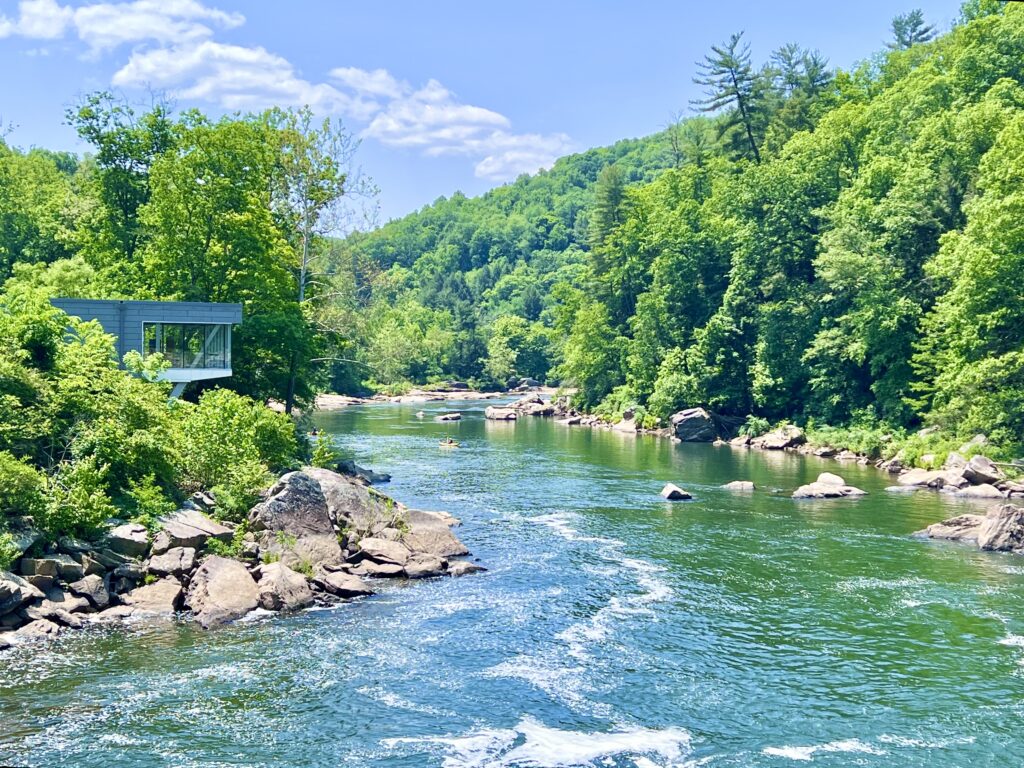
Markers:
point(612, 629)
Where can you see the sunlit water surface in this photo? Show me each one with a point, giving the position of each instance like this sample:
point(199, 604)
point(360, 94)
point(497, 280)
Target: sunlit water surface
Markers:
point(612, 629)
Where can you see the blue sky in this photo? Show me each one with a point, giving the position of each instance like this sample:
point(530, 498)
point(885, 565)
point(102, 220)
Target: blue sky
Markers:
point(445, 95)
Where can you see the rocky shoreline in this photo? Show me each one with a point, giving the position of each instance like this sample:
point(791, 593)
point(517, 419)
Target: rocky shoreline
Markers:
point(317, 537)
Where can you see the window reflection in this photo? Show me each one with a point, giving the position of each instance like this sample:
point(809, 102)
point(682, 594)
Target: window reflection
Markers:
point(189, 345)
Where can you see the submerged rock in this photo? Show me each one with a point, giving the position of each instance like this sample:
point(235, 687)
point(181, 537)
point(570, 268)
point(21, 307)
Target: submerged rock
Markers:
point(674, 493)
point(449, 417)
point(222, 590)
point(739, 485)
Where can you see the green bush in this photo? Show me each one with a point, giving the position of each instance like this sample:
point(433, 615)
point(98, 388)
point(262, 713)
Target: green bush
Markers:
point(225, 431)
point(77, 500)
point(755, 426)
point(21, 488)
point(9, 551)
point(239, 489)
point(149, 503)
point(324, 452)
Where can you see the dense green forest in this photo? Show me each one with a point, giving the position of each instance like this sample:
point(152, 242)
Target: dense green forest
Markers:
point(835, 248)
point(825, 246)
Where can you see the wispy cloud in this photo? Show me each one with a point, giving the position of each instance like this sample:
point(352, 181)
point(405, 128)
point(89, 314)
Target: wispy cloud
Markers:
point(173, 49)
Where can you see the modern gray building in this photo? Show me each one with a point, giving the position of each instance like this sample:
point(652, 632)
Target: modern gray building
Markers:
point(194, 336)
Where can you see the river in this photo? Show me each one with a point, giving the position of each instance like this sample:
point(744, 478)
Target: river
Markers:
point(612, 628)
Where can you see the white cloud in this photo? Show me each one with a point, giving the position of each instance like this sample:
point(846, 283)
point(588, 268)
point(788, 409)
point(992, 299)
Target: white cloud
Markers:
point(104, 26)
point(378, 82)
point(38, 19)
point(175, 51)
point(234, 77)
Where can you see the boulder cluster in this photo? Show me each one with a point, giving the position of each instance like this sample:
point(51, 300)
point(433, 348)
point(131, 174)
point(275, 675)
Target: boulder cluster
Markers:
point(315, 537)
point(1001, 530)
point(976, 478)
point(527, 405)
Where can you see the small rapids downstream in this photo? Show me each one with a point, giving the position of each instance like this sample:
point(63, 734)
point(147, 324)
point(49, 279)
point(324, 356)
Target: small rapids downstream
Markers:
point(613, 629)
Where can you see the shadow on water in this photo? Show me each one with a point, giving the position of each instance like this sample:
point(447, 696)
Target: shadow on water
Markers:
point(612, 629)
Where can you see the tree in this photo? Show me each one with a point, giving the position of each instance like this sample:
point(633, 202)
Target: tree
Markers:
point(609, 201)
point(909, 29)
point(729, 81)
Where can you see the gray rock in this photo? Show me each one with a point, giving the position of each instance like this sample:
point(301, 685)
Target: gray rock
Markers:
point(221, 590)
point(350, 468)
point(449, 417)
point(739, 485)
point(34, 631)
point(463, 568)
point(15, 592)
point(982, 471)
point(788, 436)
point(431, 533)
point(959, 528)
point(161, 597)
point(130, 539)
point(92, 589)
point(189, 528)
point(176, 561)
point(384, 550)
point(694, 425)
point(340, 584)
point(350, 504)
point(674, 493)
point(954, 461)
point(282, 589)
point(294, 522)
point(57, 598)
point(378, 570)
point(984, 491)
point(40, 566)
point(827, 486)
point(117, 613)
point(743, 441)
point(423, 566)
point(500, 413)
point(923, 477)
point(1002, 529)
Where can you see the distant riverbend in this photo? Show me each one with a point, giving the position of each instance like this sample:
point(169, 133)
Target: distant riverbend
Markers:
point(613, 628)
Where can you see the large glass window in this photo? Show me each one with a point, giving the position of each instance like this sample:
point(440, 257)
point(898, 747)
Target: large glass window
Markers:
point(189, 345)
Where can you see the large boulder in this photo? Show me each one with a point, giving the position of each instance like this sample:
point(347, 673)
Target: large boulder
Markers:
point(92, 589)
point(160, 597)
point(15, 592)
point(982, 471)
point(827, 486)
point(382, 550)
point(350, 504)
point(282, 589)
point(222, 590)
point(959, 528)
point(175, 561)
point(983, 491)
point(499, 413)
point(694, 425)
point(189, 528)
point(293, 522)
point(421, 566)
point(130, 539)
point(788, 436)
point(431, 533)
point(923, 478)
point(340, 584)
point(1002, 529)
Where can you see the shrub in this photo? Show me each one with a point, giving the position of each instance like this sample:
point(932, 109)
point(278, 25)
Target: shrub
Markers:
point(21, 487)
point(148, 502)
point(77, 502)
point(9, 551)
point(755, 426)
point(239, 489)
point(324, 453)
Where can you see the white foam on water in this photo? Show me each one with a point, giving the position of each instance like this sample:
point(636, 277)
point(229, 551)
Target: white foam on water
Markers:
point(1016, 641)
point(395, 701)
point(808, 753)
point(566, 684)
point(901, 741)
point(559, 522)
point(257, 614)
point(534, 745)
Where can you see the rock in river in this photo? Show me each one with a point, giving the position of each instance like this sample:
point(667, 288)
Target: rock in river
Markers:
point(739, 485)
point(160, 597)
point(498, 413)
point(674, 493)
point(340, 584)
point(1002, 529)
point(959, 528)
point(221, 591)
point(827, 486)
point(282, 589)
point(293, 523)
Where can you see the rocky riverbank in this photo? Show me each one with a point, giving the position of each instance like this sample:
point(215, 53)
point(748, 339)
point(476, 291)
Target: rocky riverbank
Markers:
point(316, 537)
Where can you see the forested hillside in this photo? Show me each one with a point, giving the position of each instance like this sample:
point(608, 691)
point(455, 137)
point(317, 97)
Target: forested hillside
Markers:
point(839, 247)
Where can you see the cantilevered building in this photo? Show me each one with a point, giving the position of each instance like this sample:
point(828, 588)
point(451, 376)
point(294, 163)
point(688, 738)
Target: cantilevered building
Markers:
point(194, 336)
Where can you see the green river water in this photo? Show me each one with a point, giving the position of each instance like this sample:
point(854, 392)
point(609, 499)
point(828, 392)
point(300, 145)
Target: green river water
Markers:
point(612, 628)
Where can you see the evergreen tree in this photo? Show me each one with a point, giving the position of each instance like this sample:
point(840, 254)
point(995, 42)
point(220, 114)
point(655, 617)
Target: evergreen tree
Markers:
point(729, 80)
point(909, 29)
